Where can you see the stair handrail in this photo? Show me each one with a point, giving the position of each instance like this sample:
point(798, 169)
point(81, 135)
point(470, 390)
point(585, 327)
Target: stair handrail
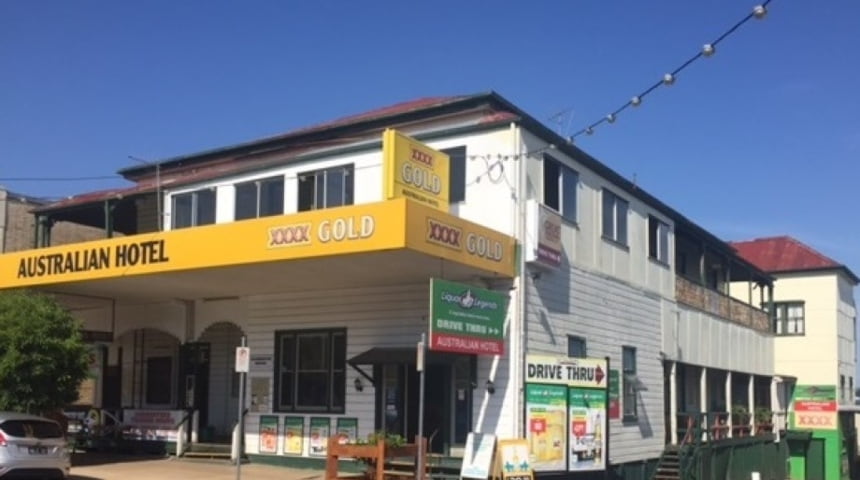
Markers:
point(181, 433)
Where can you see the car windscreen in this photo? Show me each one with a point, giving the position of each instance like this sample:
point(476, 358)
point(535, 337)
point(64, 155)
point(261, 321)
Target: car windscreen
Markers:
point(31, 429)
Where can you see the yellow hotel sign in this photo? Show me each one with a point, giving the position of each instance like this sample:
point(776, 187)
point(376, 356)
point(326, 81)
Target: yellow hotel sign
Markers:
point(415, 171)
point(355, 229)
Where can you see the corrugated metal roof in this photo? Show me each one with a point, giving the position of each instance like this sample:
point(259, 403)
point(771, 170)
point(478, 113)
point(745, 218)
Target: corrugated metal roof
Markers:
point(786, 254)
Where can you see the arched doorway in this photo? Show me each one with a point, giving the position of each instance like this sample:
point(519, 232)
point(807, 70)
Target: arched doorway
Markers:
point(221, 395)
point(146, 366)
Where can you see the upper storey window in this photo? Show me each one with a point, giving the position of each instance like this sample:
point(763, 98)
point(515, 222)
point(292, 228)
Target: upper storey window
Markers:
point(331, 187)
point(194, 208)
point(260, 198)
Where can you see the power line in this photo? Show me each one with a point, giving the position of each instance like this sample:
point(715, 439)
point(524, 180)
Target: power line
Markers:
point(758, 12)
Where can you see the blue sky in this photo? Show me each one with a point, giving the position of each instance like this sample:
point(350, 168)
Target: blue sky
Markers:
point(761, 139)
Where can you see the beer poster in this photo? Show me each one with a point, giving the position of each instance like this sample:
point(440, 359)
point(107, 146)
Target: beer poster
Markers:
point(346, 430)
point(546, 421)
point(294, 435)
point(587, 416)
point(319, 433)
point(268, 434)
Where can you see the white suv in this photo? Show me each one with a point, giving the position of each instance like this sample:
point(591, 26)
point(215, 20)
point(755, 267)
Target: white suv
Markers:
point(32, 446)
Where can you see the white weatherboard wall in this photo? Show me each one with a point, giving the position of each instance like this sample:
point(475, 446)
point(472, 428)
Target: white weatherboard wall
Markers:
point(699, 338)
point(373, 317)
point(609, 314)
point(583, 241)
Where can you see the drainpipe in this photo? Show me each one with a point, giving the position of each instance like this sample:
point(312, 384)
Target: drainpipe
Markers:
point(519, 338)
point(108, 207)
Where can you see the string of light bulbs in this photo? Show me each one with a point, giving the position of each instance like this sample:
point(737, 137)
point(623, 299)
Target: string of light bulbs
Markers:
point(758, 12)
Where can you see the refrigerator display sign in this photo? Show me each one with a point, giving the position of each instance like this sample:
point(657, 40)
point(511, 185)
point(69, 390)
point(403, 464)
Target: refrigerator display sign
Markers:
point(546, 419)
point(587, 416)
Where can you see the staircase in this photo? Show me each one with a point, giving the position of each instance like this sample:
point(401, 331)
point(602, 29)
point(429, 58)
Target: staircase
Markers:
point(208, 451)
point(669, 466)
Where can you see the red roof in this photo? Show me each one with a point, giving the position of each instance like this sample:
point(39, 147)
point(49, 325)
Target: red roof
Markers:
point(785, 254)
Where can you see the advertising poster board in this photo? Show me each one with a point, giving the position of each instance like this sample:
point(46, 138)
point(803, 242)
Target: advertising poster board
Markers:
point(587, 414)
point(320, 430)
point(268, 434)
point(294, 435)
point(346, 429)
point(815, 407)
point(546, 421)
point(478, 456)
point(512, 460)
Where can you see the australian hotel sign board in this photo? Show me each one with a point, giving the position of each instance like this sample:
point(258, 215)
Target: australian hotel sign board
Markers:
point(466, 319)
point(383, 226)
point(815, 407)
point(415, 171)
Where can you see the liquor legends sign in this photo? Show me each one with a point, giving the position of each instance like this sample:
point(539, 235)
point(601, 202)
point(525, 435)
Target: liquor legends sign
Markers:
point(466, 319)
point(815, 407)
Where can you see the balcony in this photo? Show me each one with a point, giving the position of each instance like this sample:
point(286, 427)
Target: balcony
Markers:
point(694, 295)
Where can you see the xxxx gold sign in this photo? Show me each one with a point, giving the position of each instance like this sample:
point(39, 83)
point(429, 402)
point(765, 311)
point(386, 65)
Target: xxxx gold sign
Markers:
point(335, 230)
point(459, 240)
point(415, 171)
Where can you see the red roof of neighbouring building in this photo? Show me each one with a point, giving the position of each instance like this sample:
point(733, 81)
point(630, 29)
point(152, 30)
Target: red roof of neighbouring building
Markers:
point(786, 254)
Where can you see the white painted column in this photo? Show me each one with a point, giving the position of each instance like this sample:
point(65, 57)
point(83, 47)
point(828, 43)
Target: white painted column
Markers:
point(775, 407)
point(703, 401)
point(729, 401)
point(751, 401)
point(673, 402)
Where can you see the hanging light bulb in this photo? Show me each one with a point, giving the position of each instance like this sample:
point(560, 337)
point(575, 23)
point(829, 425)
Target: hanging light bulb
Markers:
point(610, 118)
point(759, 11)
point(635, 101)
point(570, 139)
point(708, 50)
point(668, 79)
point(589, 131)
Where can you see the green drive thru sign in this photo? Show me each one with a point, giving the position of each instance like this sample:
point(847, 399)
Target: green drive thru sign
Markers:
point(466, 319)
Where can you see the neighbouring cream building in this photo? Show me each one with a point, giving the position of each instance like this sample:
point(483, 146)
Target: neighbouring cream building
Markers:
point(815, 317)
point(318, 246)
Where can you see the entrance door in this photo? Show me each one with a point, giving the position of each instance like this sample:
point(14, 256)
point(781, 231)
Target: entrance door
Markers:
point(194, 379)
point(398, 402)
point(815, 460)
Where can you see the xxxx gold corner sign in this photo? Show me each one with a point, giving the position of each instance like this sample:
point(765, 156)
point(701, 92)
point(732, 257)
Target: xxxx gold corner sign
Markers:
point(473, 243)
point(415, 171)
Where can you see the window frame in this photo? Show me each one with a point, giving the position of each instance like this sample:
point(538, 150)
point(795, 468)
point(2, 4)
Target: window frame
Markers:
point(565, 193)
point(259, 187)
point(612, 201)
point(332, 371)
point(780, 323)
point(659, 245)
point(575, 342)
point(456, 173)
point(347, 188)
point(194, 195)
point(629, 406)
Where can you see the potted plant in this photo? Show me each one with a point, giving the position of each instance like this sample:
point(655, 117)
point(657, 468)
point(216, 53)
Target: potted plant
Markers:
point(740, 420)
point(763, 419)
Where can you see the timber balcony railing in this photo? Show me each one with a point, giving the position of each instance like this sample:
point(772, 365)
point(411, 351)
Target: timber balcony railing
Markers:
point(719, 304)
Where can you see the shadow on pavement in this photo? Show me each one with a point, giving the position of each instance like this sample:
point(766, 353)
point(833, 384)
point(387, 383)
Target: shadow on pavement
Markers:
point(87, 459)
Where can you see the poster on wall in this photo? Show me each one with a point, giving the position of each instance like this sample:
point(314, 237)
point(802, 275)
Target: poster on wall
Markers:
point(587, 416)
point(346, 430)
point(268, 434)
point(614, 395)
point(294, 435)
point(546, 420)
point(320, 430)
point(260, 394)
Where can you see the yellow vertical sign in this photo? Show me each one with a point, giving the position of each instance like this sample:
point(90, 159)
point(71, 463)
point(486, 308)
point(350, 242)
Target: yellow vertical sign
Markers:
point(414, 170)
